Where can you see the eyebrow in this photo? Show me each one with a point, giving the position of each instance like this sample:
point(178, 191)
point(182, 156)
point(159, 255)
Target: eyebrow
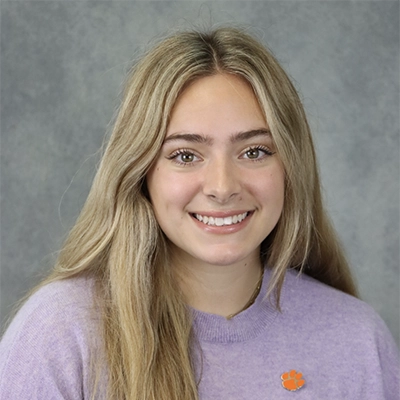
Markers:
point(237, 137)
point(189, 137)
point(246, 135)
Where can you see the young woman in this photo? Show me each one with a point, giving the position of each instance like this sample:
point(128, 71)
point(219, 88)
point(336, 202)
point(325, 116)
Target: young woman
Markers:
point(203, 265)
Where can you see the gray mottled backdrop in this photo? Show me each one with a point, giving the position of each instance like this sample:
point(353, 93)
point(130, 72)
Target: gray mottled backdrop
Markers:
point(62, 64)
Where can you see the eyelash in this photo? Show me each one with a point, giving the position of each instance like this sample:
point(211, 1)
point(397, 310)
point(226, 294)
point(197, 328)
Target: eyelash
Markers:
point(174, 156)
point(264, 149)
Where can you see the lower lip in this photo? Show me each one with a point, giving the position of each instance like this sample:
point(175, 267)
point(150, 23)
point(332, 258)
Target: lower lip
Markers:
point(225, 229)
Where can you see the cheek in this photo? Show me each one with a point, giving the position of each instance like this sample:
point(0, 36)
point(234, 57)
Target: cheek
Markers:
point(180, 191)
point(155, 185)
point(278, 190)
point(270, 188)
point(170, 190)
point(277, 182)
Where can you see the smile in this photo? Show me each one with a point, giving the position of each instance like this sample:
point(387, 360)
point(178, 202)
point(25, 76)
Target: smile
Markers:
point(226, 221)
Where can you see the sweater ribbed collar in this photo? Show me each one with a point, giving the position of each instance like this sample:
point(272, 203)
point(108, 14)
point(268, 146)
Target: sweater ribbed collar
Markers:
point(246, 325)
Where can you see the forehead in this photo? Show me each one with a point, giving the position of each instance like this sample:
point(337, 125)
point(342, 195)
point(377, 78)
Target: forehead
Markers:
point(217, 104)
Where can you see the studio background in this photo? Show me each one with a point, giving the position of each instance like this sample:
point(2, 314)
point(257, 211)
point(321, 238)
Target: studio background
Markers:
point(62, 65)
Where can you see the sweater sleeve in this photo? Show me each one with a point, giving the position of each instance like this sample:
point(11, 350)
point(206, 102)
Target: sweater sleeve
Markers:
point(389, 360)
point(44, 353)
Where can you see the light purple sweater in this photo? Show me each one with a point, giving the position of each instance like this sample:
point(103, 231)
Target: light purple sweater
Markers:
point(339, 344)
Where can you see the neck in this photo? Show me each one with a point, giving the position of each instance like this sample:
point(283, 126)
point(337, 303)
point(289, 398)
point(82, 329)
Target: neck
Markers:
point(223, 290)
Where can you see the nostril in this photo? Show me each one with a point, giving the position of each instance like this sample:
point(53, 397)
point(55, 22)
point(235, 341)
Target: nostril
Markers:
point(222, 197)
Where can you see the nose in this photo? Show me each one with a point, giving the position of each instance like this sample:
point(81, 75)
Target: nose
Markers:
point(221, 181)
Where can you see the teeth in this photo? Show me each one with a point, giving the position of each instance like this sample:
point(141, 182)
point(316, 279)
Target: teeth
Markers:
point(221, 221)
point(228, 221)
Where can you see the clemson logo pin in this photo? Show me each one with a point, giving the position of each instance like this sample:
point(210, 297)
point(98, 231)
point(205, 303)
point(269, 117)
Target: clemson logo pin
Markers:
point(292, 380)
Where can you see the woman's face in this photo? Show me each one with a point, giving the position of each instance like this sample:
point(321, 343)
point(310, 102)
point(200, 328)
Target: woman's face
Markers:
point(217, 186)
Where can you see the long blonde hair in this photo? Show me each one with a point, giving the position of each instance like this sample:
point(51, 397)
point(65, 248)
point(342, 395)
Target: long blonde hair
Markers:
point(147, 331)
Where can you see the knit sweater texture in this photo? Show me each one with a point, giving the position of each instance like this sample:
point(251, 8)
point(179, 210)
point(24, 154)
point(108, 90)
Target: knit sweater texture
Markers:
point(339, 344)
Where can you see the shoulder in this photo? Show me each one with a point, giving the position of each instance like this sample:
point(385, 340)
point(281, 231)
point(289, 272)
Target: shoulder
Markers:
point(311, 297)
point(329, 309)
point(47, 344)
point(53, 305)
point(344, 335)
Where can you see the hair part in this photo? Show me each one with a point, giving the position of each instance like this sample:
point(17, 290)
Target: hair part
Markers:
point(147, 330)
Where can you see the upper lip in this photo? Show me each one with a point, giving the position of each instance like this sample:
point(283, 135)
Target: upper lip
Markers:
point(221, 214)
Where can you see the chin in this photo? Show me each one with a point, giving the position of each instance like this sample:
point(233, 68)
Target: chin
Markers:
point(225, 259)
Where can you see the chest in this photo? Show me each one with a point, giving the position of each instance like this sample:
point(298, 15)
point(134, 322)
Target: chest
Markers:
point(253, 371)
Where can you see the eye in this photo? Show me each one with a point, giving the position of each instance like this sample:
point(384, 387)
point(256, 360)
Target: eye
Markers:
point(257, 153)
point(183, 157)
point(186, 157)
point(253, 153)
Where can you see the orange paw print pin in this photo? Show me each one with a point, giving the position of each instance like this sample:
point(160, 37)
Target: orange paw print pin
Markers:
point(292, 380)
